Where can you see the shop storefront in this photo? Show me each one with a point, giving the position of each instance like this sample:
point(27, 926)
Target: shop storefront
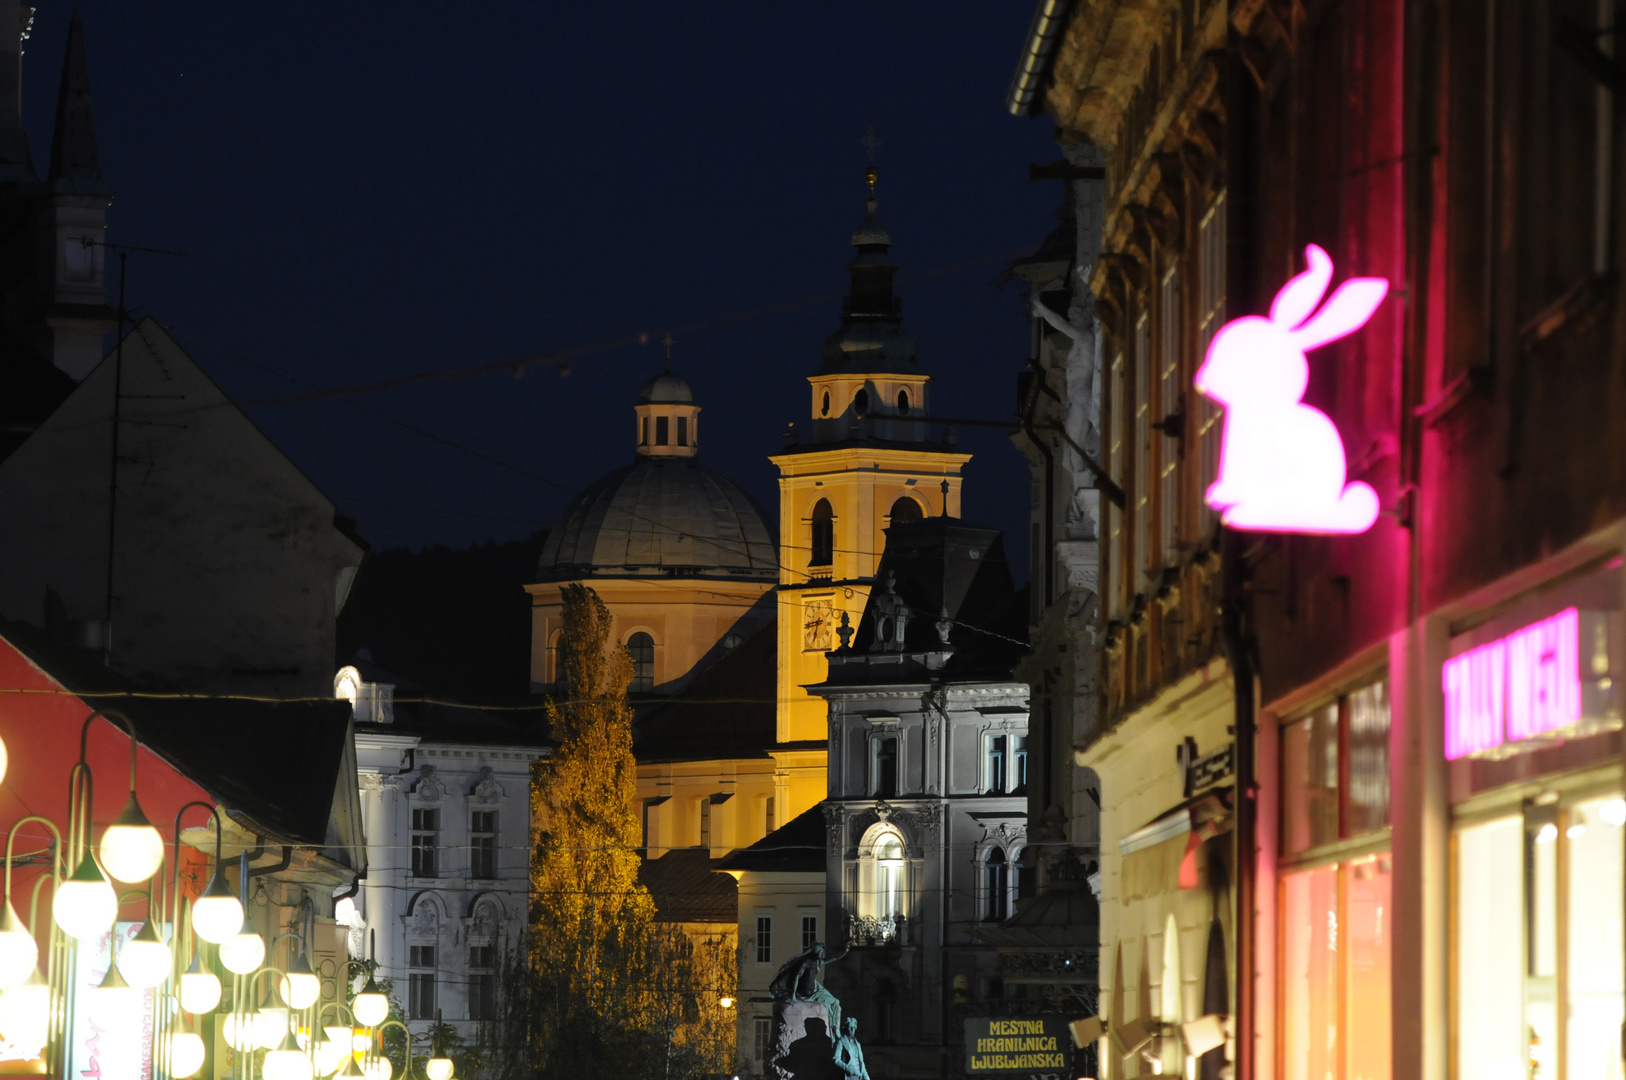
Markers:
point(1442, 857)
point(1533, 751)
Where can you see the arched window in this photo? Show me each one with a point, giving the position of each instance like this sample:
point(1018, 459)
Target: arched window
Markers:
point(561, 658)
point(861, 402)
point(996, 905)
point(889, 877)
point(1026, 873)
point(642, 648)
point(903, 403)
point(824, 408)
point(824, 533)
point(906, 510)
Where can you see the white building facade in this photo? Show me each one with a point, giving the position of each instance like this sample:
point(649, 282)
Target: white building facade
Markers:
point(444, 902)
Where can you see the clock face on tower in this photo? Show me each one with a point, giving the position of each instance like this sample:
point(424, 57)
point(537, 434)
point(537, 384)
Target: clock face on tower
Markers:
point(817, 623)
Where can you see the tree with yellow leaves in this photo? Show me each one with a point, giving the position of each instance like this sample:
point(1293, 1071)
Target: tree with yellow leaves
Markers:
point(606, 991)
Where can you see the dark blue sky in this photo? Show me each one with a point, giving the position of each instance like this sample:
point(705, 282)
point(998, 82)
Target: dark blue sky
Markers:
point(371, 189)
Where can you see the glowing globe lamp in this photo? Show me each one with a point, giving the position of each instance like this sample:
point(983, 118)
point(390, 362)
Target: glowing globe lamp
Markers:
point(185, 1053)
point(379, 1068)
point(330, 1054)
point(19, 952)
point(25, 1013)
point(84, 905)
point(299, 988)
point(239, 1031)
point(115, 1005)
point(217, 915)
point(132, 850)
point(438, 1068)
point(371, 1006)
point(271, 1027)
point(350, 1071)
point(287, 1061)
point(242, 953)
point(200, 988)
point(144, 961)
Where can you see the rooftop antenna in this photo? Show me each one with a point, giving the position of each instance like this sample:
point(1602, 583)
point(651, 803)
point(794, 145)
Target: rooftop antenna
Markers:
point(668, 342)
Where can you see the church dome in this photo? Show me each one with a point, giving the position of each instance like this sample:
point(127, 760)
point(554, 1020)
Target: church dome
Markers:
point(660, 517)
point(666, 389)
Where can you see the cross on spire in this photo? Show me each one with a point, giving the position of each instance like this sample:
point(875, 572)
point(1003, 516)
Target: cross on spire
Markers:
point(869, 140)
point(668, 342)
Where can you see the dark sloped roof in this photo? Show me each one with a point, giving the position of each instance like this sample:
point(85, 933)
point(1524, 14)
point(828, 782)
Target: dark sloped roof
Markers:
point(798, 847)
point(943, 564)
point(660, 516)
point(276, 762)
point(687, 887)
point(727, 711)
point(443, 717)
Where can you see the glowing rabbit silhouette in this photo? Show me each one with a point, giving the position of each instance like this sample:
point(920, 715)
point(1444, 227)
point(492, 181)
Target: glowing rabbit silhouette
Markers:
point(1281, 466)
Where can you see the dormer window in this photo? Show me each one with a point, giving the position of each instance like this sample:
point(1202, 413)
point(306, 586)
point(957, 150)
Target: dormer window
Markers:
point(903, 403)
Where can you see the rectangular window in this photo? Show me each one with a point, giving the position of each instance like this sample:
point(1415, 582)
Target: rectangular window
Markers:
point(810, 931)
point(768, 815)
point(643, 431)
point(763, 1029)
point(764, 939)
point(483, 844)
point(996, 764)
point(1170, 398)
point(425, 842)
point(421, 983)
point(482, 982)
point(683, 431)
point(1539, 984)
point(1335, 971)
point(660, 430)
point(886, 766)
point(1335, 771)
point(1141, 497)
point(1019, 764)
point(1210, 317)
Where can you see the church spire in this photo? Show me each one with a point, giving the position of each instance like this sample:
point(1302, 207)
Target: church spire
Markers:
point(871, 337)
point(73, 145)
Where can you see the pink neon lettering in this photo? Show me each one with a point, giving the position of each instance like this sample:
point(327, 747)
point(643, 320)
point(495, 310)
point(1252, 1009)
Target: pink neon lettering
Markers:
point(1282, 466)
point(1516, 687)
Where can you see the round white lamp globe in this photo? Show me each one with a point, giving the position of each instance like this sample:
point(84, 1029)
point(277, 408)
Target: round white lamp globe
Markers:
point(243, 953)
point(115, 1005)
point(438, 1068)
point(217, 915)
point(144, 961)
point(185, 1053)
point(271, 1028)
point(300, 989)
point(25, 1013)
point(379, 1068)
point(132, 850)
point(200, 989)
point(84, 906)
point(371, 1007)
point(19, 952)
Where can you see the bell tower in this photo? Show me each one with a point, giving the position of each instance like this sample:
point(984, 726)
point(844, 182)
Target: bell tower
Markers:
point(869, 456)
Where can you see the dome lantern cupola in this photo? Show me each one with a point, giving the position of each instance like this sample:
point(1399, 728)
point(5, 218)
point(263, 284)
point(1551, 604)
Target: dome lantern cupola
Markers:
point(668, 418)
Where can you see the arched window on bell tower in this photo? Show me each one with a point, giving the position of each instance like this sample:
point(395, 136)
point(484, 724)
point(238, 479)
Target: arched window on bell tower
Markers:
point(824, 534)
point(906, 510)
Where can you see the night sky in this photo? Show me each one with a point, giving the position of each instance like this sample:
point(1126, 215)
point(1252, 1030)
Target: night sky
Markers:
point(368, 190)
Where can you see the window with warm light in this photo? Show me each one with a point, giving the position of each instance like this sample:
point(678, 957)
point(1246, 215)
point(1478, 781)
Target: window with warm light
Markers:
point(1539, 989)
point(1335, 906)
point(1210, 316)
point(889, 876)
point(641, 646)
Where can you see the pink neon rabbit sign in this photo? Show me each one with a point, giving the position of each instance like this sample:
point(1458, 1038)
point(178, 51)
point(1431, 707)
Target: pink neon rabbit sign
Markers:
point(1281, 466)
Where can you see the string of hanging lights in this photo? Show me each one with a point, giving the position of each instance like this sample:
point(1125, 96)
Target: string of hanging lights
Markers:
point(178, 955)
